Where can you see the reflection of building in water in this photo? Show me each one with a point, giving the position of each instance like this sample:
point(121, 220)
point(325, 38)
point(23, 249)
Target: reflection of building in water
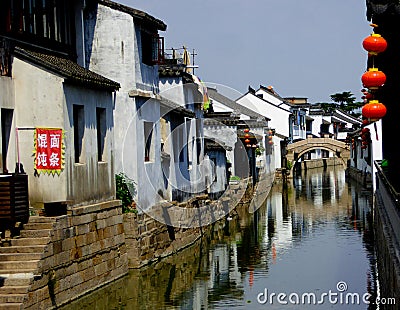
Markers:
point(222, 270)
point(322, 187)
point(224, 276)
point(279, 232)
point(315, 198)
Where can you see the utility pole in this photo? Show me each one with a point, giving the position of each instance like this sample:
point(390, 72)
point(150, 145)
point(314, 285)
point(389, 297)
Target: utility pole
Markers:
point(193, 54)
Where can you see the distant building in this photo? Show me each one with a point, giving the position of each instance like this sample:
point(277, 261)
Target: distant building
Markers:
point(226, 124)
point(268, 103)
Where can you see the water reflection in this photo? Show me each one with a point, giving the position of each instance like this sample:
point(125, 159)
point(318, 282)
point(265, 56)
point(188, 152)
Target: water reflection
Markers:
point(306, 238)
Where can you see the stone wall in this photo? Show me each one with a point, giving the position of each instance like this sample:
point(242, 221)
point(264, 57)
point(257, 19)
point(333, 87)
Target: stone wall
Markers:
point(320, 163)
point(148, 239)
point(387, 260)
point(387, 237)
point(86, 250)
point(94, 245)
point(363, 178)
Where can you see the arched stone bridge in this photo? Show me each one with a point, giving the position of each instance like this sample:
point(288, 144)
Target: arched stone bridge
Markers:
point(297, 149)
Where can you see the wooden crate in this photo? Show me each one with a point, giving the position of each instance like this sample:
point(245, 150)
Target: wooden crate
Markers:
point(14, 201)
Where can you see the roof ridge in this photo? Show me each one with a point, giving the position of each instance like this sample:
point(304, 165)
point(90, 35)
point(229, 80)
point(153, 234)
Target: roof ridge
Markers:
point(135, 13)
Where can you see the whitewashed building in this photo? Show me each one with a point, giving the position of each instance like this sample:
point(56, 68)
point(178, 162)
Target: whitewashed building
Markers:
point(365, 148)
point(279, 112)
point(182, 102)
point(43, 87)
point(123, 44)
point(230, 133)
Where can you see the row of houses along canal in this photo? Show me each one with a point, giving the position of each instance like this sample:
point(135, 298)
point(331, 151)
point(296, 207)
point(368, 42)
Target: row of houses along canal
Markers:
point(149, 116)
point(310, 244)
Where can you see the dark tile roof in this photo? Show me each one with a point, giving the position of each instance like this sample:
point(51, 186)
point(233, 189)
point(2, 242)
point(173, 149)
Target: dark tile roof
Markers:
point(214, 94)
point(214, 145)
point(342, 115)
point(172, 107)
point(136, 14)
point(71, 71)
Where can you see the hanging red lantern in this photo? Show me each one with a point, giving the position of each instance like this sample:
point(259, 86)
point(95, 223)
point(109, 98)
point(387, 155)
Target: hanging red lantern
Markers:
point(270, 142)
point(374, 44)
point(246, 135)
point(374, 110)
point(246, 130)
point(247, 141)
point(365, 122)
point(373, 78)
point(364, 130)
point(367, 96)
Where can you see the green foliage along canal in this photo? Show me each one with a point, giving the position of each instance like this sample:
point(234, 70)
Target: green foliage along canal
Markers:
point(309, 247)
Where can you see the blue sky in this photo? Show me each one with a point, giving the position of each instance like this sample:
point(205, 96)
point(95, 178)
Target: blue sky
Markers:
point(304, 48)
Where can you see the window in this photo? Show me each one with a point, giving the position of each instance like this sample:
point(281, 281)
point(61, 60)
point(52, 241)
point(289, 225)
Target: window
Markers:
point(5, 58)
point(199, 127)
point(101, 132)
point(37, 20)
point(152, 48)
point(148, 137)
point(6, 123)
point(79, 131)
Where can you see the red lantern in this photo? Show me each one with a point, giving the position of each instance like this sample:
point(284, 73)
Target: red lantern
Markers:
point(246, 130)
point(364, 130)
point(374, 110)
point(367, 96)
point(246, 135)
point(270, 142)
point(365, 122)
point(247, 141)
point(374, 44)
point(373, 78)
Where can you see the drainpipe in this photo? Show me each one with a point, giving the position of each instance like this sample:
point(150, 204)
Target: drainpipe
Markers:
point(83, 7)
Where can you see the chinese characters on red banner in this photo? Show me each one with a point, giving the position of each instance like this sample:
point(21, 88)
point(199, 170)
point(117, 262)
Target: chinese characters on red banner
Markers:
point(49, 148)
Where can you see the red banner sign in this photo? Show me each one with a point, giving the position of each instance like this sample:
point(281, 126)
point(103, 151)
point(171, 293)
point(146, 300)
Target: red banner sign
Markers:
point(49, 150)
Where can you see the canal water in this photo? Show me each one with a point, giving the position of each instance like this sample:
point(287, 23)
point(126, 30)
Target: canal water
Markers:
point(310, 246)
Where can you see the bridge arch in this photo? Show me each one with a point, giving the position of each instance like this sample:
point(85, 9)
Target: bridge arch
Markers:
point(297, 149)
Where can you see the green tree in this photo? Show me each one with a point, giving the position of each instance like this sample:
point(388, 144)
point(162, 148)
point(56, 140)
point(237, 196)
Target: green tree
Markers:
point(343, 98)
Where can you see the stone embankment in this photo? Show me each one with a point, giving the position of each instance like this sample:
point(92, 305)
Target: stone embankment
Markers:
point(56, 260)
point(149, 240)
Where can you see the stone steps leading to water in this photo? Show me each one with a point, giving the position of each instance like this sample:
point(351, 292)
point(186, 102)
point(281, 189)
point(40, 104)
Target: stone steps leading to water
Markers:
point(11, 298)
point(19, 260)
point(39, 248)
point(4, 257)
point(30, 241)
point(11, 306)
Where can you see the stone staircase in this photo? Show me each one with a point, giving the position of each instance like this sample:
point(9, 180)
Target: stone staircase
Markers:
point(19, 261)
